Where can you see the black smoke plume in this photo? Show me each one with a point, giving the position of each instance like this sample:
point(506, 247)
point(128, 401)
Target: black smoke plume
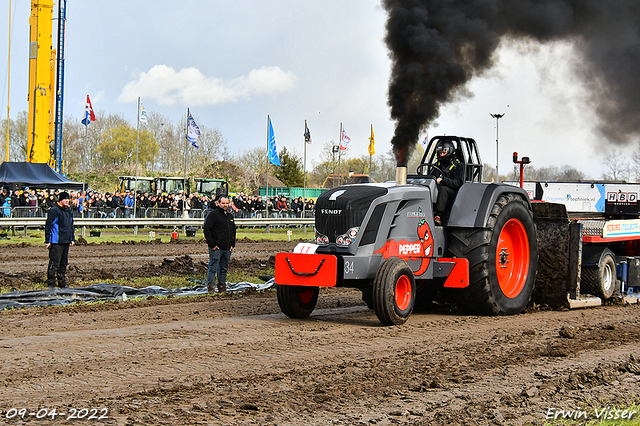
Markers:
point(437, 46)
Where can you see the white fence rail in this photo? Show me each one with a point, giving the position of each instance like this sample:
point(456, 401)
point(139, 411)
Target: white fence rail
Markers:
point(184, 223)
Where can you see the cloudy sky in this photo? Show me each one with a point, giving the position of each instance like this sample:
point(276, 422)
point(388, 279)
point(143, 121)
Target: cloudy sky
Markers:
point(234, 63)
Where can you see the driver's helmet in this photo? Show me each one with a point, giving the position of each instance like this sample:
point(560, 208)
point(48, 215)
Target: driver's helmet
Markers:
point(445, 151)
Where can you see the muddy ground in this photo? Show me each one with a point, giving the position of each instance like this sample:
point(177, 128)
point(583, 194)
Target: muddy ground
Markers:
point(236, 360)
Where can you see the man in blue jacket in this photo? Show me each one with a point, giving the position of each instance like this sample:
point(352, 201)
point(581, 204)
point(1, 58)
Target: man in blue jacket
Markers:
point(58, 236)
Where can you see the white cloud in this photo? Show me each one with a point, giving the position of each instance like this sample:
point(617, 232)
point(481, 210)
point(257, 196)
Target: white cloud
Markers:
point(190, 86)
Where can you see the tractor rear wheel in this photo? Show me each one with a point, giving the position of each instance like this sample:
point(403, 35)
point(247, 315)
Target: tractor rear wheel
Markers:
point(297, 301)
point(601, 281)
point(503, 259)
point(394, 292)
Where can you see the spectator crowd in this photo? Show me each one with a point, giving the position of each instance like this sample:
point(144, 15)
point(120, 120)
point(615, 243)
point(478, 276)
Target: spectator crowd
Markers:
point(30, 202)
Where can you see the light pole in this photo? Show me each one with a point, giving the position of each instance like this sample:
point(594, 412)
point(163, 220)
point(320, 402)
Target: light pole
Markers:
point(497, 117)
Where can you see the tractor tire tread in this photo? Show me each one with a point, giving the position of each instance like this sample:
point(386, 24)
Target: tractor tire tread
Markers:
point(474, 244)
point(384, 295)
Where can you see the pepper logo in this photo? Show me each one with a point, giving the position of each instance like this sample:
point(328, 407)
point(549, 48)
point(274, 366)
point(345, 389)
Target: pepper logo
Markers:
point(412, 250)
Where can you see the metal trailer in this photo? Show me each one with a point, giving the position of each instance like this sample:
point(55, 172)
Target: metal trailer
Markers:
point(603, 240)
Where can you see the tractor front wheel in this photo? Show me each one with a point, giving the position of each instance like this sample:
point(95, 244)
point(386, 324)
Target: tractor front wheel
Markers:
point(394, 292)
point(297, 301)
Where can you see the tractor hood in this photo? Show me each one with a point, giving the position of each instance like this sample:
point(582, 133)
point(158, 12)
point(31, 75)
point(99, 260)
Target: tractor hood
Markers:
point(345, 207)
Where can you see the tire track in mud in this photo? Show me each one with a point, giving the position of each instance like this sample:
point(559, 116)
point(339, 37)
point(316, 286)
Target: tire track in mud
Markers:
point(340, 360)
point(332, 391)
point(32, 259)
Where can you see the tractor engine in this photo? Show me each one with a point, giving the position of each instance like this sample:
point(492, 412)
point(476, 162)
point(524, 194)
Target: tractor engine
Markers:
point(340, 213)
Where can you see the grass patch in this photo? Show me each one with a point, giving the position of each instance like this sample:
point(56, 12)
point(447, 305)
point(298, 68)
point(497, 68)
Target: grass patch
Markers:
point(26, 285)
point(241, 276)
point(168, 282)
point(172, 282)
point(276, 234)
point(36, 237)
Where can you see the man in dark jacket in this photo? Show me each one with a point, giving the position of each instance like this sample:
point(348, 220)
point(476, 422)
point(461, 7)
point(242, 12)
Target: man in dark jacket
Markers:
point(220, 232)
point(58, 236)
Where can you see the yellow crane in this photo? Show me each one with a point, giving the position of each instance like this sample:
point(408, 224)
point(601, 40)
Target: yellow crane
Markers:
point(42, 91)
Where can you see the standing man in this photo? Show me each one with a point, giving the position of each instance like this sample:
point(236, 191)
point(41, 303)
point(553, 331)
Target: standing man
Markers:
point(58, 236)
point(220, 232)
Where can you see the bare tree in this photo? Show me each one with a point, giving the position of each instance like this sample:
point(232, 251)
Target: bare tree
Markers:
point(488, 173)
point(324, 166)
point(635, 165)
point(569, 173)
point(211, 147)
point(618, 167)
point(18, 135)
point(254, 162)
point(386, 167)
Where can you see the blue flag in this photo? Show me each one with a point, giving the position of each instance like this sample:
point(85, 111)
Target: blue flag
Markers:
point(273, 151)
point(193, 131)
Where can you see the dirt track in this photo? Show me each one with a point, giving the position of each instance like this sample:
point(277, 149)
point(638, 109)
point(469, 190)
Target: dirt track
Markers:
point(235, 359)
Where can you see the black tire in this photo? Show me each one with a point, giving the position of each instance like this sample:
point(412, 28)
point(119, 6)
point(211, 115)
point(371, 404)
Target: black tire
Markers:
point(394, 292)
point(297, 301)
point(367, 296)
point(493, 289)
point(600, 281)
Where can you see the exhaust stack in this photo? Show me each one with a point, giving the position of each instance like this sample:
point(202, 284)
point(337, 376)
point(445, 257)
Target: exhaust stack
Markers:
point(401, 175)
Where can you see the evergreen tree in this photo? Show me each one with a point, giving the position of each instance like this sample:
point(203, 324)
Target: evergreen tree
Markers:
point(291, 171)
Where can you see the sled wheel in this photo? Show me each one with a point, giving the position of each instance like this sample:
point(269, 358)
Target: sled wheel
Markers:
point(394, 292)
point(502, 259)
point(297, 301)
point(601, 281)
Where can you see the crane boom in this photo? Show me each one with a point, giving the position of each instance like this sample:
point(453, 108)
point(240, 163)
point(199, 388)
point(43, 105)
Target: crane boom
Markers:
point(57, 152)
point(41, 83)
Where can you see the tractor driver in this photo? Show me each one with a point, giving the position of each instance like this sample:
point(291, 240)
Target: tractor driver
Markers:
point(449, 178)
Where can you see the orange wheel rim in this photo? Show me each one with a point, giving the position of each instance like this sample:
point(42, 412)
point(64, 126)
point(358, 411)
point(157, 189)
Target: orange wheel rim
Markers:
point(512, 258)
point(305, 295)
point(403, 292)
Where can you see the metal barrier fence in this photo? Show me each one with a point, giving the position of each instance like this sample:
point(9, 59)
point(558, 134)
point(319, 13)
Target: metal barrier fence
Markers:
point(148, 213)
point(172, 223)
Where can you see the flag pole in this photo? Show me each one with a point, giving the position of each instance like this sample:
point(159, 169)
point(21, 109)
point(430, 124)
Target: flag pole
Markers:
point(9, 81)
point(339, 154)
point(135, 191)
point(304, 184)
point(186, 146)
point(266, 201)
point(84, 168)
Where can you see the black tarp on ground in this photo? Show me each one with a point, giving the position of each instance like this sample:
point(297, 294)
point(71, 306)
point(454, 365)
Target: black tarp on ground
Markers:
point(15, 175)
point(103, 291)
